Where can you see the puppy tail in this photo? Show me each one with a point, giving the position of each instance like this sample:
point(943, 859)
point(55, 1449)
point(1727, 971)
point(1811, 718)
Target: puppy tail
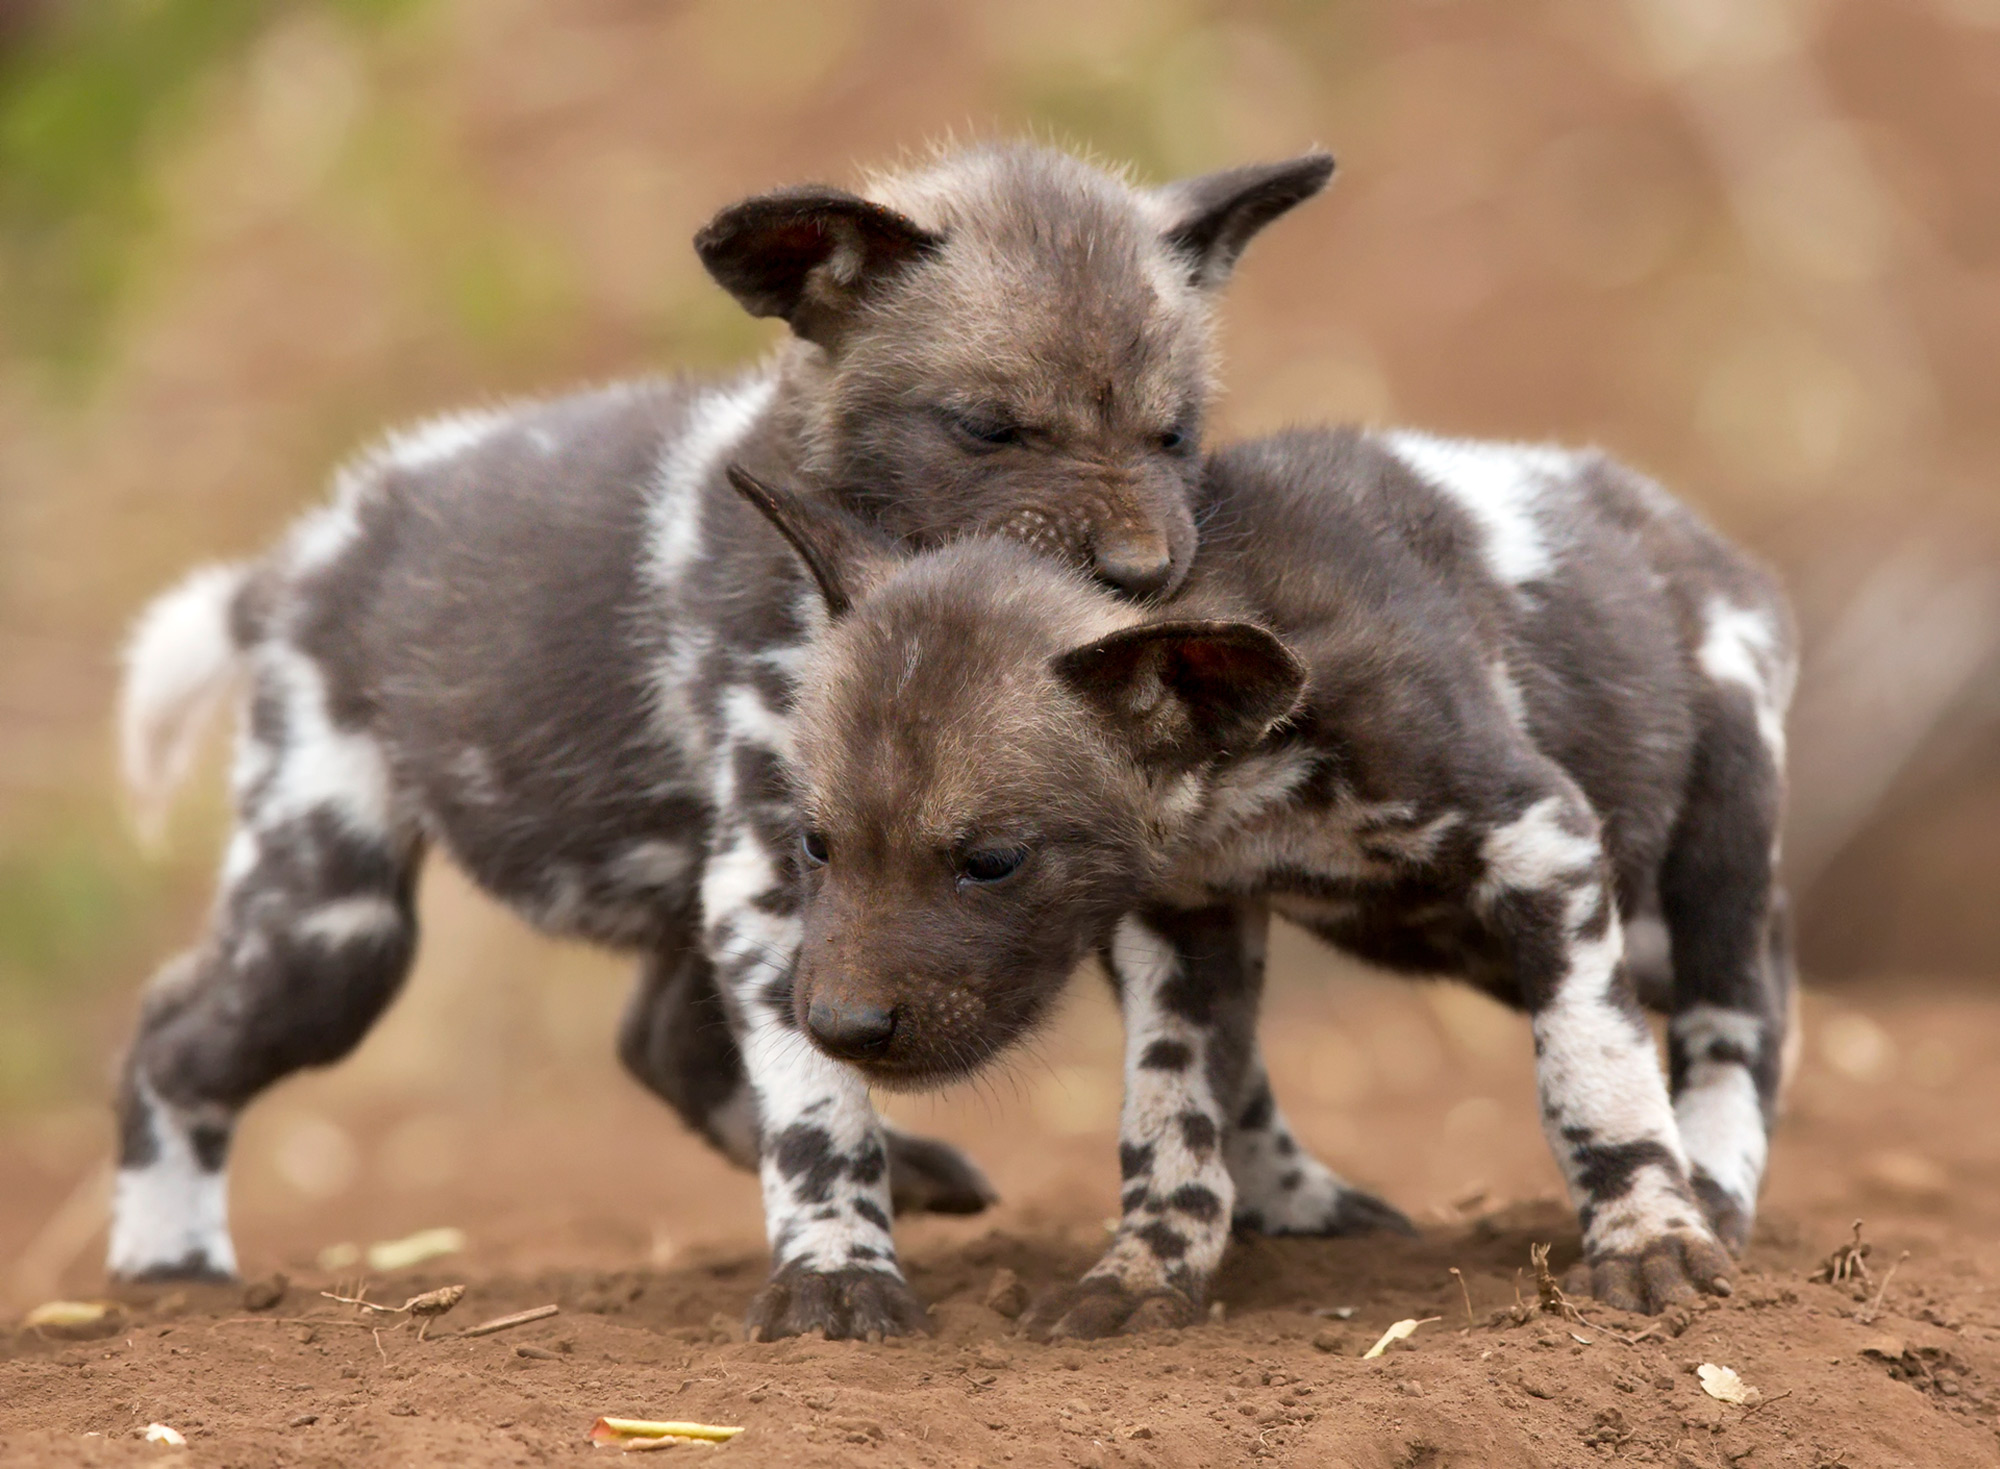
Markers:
point(180, 662)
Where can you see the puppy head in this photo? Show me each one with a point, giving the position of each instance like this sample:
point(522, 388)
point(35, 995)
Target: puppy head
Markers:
point(1009, 340)
point(992, 761)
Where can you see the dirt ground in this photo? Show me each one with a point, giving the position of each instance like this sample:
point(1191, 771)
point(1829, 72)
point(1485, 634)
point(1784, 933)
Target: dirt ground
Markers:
point(577, 1190)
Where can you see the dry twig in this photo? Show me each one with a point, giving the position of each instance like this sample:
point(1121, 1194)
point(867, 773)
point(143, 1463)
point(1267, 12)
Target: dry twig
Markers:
point(1847, 1262)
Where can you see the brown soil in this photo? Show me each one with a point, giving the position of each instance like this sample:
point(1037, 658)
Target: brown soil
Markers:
point(584, 1193)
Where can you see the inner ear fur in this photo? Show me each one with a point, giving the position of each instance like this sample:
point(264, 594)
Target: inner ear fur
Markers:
point(1185, 693)
point(844, 556)
point(809, 254)
point(1213, 217)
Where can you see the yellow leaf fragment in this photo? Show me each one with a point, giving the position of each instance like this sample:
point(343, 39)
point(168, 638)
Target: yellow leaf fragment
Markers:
point(623, 1430)
point(1722, 1384)
point(414, 1249)
point(66, 1313)
point(1396, 1333)
point(160, 1433)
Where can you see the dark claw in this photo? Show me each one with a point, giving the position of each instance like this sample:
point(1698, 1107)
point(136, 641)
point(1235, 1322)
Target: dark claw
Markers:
point(1669, 1272)
point(930, 1177)
point(1099, 1308)
point(848, 1305)
point(192, 1270)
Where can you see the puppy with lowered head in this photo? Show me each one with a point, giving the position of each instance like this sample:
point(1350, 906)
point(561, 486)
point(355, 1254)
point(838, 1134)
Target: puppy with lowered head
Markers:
point(550, 639)
point(1459, 709)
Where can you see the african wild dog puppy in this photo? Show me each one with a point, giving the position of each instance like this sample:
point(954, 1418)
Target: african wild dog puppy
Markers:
point(1457, 708)
point(551, 639)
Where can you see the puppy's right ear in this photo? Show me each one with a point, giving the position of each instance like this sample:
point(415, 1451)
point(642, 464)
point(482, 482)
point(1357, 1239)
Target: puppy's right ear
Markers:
point(845, 556)
point(810, 254)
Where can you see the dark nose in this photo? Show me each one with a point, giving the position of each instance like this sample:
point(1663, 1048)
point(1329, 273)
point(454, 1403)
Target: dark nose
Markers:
point(851, 1030)
point(1137, 566)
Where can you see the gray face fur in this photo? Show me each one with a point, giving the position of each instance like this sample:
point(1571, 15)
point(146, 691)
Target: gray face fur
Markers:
point(1008, 341)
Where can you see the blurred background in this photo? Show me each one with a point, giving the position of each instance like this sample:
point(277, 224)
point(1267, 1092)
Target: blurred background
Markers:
point(1752, 246)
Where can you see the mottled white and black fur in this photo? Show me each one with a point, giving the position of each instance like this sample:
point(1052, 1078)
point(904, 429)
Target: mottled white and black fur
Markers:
point(549, 639)
point(1465, 709)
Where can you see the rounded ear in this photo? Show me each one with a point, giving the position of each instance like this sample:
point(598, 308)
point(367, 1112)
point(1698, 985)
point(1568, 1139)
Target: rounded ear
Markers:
point(809, 254)
point(1211, 218)
point(1185, 693)
point(844, 556)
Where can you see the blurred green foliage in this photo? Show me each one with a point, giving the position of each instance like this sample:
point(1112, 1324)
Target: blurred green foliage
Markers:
point(89, 97)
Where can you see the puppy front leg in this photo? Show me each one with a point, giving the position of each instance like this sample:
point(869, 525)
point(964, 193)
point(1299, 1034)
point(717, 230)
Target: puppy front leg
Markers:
point(1187, 986)
point(1546, 896)
point(822, 1161)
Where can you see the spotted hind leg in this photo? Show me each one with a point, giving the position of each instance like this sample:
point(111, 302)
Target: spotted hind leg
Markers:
point(310, 939)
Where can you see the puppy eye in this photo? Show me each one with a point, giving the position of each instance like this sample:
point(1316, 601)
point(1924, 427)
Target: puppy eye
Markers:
point(994, 864)
point(1174, 440)
point(814, 847)
point(987, 430)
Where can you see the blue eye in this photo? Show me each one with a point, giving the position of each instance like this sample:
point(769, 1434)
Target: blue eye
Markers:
point(814, 847)
point(995, 864)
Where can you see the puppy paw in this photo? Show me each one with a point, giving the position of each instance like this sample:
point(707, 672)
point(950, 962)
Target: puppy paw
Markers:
point(1728, 1218)
point(848, 1305)
point(930, 1177)
point(1667, 1271)
point(1340, 1211)
point(1092, 1309)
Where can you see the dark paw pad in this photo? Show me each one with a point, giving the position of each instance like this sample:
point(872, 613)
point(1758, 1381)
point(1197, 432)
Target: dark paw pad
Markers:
point(1100, 1308)
point(848, 1305)
point(1729, 1219)
point(1670, 1271)
point(930, 1177)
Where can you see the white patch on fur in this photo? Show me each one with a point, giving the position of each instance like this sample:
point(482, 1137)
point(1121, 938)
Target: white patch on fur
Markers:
point(179, 663)
point(321, 766)
point(346, 920)
point(1155, 1099)
point(1501, 486)
point(715, 422)
point(435, 440)
point(1537, 849)
point(652, 865)
point(748, 720)
point(478, 782)
point(1740, 646)
point(1721, 1118)
point(172, 1209)
point(1508, 693)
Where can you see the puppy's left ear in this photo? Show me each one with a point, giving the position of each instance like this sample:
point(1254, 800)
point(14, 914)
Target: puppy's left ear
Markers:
point(1184, 693)
point(844, 556)
point(1211, 218)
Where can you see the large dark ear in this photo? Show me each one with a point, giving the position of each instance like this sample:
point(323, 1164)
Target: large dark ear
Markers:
point(809, 254)
point(1184, 693)
point(844, 555)
point(1214, 216)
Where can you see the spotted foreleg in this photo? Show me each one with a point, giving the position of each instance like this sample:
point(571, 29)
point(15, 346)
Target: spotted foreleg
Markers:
point(1547, 902)
point(1187, 988)
point(824, 1163)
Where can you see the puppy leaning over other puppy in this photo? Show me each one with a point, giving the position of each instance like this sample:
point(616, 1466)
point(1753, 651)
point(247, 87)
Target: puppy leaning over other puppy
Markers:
point(551, 638)
point(1460, 709)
